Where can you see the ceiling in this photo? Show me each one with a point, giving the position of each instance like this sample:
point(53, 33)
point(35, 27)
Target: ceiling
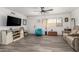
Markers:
point(28, 11)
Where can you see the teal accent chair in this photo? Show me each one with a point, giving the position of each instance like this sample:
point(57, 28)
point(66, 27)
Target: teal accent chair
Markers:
point(38, 32)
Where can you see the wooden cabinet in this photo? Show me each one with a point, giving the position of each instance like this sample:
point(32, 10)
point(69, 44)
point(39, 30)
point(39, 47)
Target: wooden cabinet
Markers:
point(52, 33)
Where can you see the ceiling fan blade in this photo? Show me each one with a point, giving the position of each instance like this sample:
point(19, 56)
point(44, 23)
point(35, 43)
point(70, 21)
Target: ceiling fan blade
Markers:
point(42, 8)
point(49, 10)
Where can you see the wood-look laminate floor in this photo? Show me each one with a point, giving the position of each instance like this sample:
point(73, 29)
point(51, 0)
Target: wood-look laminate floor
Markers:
point(38, 44)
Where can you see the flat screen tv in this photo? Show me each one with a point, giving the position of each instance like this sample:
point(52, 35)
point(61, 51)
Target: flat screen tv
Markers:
point(13, 21)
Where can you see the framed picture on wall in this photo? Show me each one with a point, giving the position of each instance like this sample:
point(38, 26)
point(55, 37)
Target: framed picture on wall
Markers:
point(24, 21)
point(66, 19)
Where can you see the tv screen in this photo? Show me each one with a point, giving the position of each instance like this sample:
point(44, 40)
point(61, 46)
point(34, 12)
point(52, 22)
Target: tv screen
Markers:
point(13, 21)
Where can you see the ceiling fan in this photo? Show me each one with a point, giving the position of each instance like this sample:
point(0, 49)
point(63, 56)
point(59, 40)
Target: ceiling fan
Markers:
point(44, 11)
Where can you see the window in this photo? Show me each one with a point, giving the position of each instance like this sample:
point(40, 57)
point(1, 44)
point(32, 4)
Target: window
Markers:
point(59, 22)
point(55, 22)
point(51, 22)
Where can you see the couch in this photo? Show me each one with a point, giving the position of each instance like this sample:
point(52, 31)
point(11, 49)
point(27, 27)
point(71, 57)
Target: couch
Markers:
point(72, 38)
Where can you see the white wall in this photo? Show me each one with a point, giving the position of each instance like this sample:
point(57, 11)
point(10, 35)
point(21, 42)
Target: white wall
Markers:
point(33, 22)
point(4, 12)
point(75, 14)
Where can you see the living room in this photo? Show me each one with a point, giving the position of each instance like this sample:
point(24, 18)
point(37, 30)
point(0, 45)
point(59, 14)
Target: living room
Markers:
point(56, 24)
point(39, 29)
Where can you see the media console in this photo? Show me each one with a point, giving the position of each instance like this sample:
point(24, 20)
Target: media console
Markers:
point(16, 34)
point(9, 36)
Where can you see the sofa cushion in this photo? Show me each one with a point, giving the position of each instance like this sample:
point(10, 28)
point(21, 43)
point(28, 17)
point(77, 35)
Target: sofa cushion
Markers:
point(70, 41)
point(73, 35)
point(78, 32)
point(77, 44)
point(73, 31)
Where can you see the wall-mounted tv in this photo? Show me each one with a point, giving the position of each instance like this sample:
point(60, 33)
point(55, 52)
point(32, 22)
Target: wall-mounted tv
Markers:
point(13, 21)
